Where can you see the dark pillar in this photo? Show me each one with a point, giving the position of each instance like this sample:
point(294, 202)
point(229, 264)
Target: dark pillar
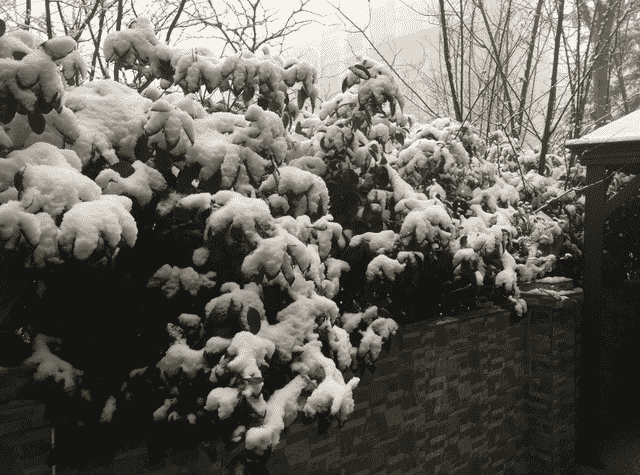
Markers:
point(590, 420)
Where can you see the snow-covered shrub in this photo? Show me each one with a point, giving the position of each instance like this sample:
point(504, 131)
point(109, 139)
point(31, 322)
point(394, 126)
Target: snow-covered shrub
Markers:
point(31, 84)
point(270, 248)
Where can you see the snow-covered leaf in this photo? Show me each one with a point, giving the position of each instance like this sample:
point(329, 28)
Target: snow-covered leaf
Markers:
point(27, 75)
point(363, 69)
point(58, 48)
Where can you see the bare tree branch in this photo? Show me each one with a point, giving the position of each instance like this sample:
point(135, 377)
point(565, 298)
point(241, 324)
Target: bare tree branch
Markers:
point(377, 51)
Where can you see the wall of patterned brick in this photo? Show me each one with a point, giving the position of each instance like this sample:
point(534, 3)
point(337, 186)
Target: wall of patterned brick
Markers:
point(448, 397)
point(553, 387)
point(25, 435)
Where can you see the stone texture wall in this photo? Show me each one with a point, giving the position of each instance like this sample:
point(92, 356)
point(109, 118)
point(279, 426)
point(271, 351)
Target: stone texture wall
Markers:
point(25, 435)
point(462, 395)
point(552, 392)
point(449, 397)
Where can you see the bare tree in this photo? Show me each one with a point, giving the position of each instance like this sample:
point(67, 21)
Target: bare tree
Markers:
point(447, 58)
point(414, 96)
point(241, 25)
point(175, 20)
point(527, 69)
point(116, 67)
point(603, 19)
point(47, 13)
point(552, 91)
point(27, 15)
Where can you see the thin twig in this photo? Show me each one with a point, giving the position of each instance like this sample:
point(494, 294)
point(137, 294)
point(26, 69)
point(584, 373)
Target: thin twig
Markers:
point(578, 190)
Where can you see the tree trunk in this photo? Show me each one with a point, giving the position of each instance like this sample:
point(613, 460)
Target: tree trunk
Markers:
point(447, 60)
point(461, 90)
point(618, 58)
point(552, 91)
point(601, 73)
point(27, 15)
point(175, 21)
point(118, 27)
point(497, 59)
point(527, 69)
point(96, 43)
point(47, 12)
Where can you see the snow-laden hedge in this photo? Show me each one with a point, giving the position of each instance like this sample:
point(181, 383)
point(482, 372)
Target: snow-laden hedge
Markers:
point(273, 246)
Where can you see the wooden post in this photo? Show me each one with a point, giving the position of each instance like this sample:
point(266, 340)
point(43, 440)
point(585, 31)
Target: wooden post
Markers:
point(589, 415)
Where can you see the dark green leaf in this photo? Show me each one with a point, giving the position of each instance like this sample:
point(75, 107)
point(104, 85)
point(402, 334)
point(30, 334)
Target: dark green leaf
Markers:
point(42, 106)
point(18, 55)
point(374, 148)
point(399, 137)
point(254, 380)
point(381, 176)
point(7, 112)
point(3, 27)
point(254, 320)
point(248, 92)
point(383, 161)
point(17, 180)
point(263, 102)
point(302, 96)
point(163, 160)
point(56, 102)
point(362, 68)
point(368, 116)
point(274, 105)
point(37, 122)
point(358, 119)
point(392, 103)
point(344, 85)
point(124, 169)
point(299, 128)
point(212, 185)
point(95, 166)
point(286, 120)
point(141, 150)
point(234, 311)
point(313, 104)
point(188, 173)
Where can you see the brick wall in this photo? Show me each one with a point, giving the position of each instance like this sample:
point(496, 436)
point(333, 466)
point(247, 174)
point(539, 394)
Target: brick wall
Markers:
point(552, 393)
point(25, 435)
point(451, 397)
